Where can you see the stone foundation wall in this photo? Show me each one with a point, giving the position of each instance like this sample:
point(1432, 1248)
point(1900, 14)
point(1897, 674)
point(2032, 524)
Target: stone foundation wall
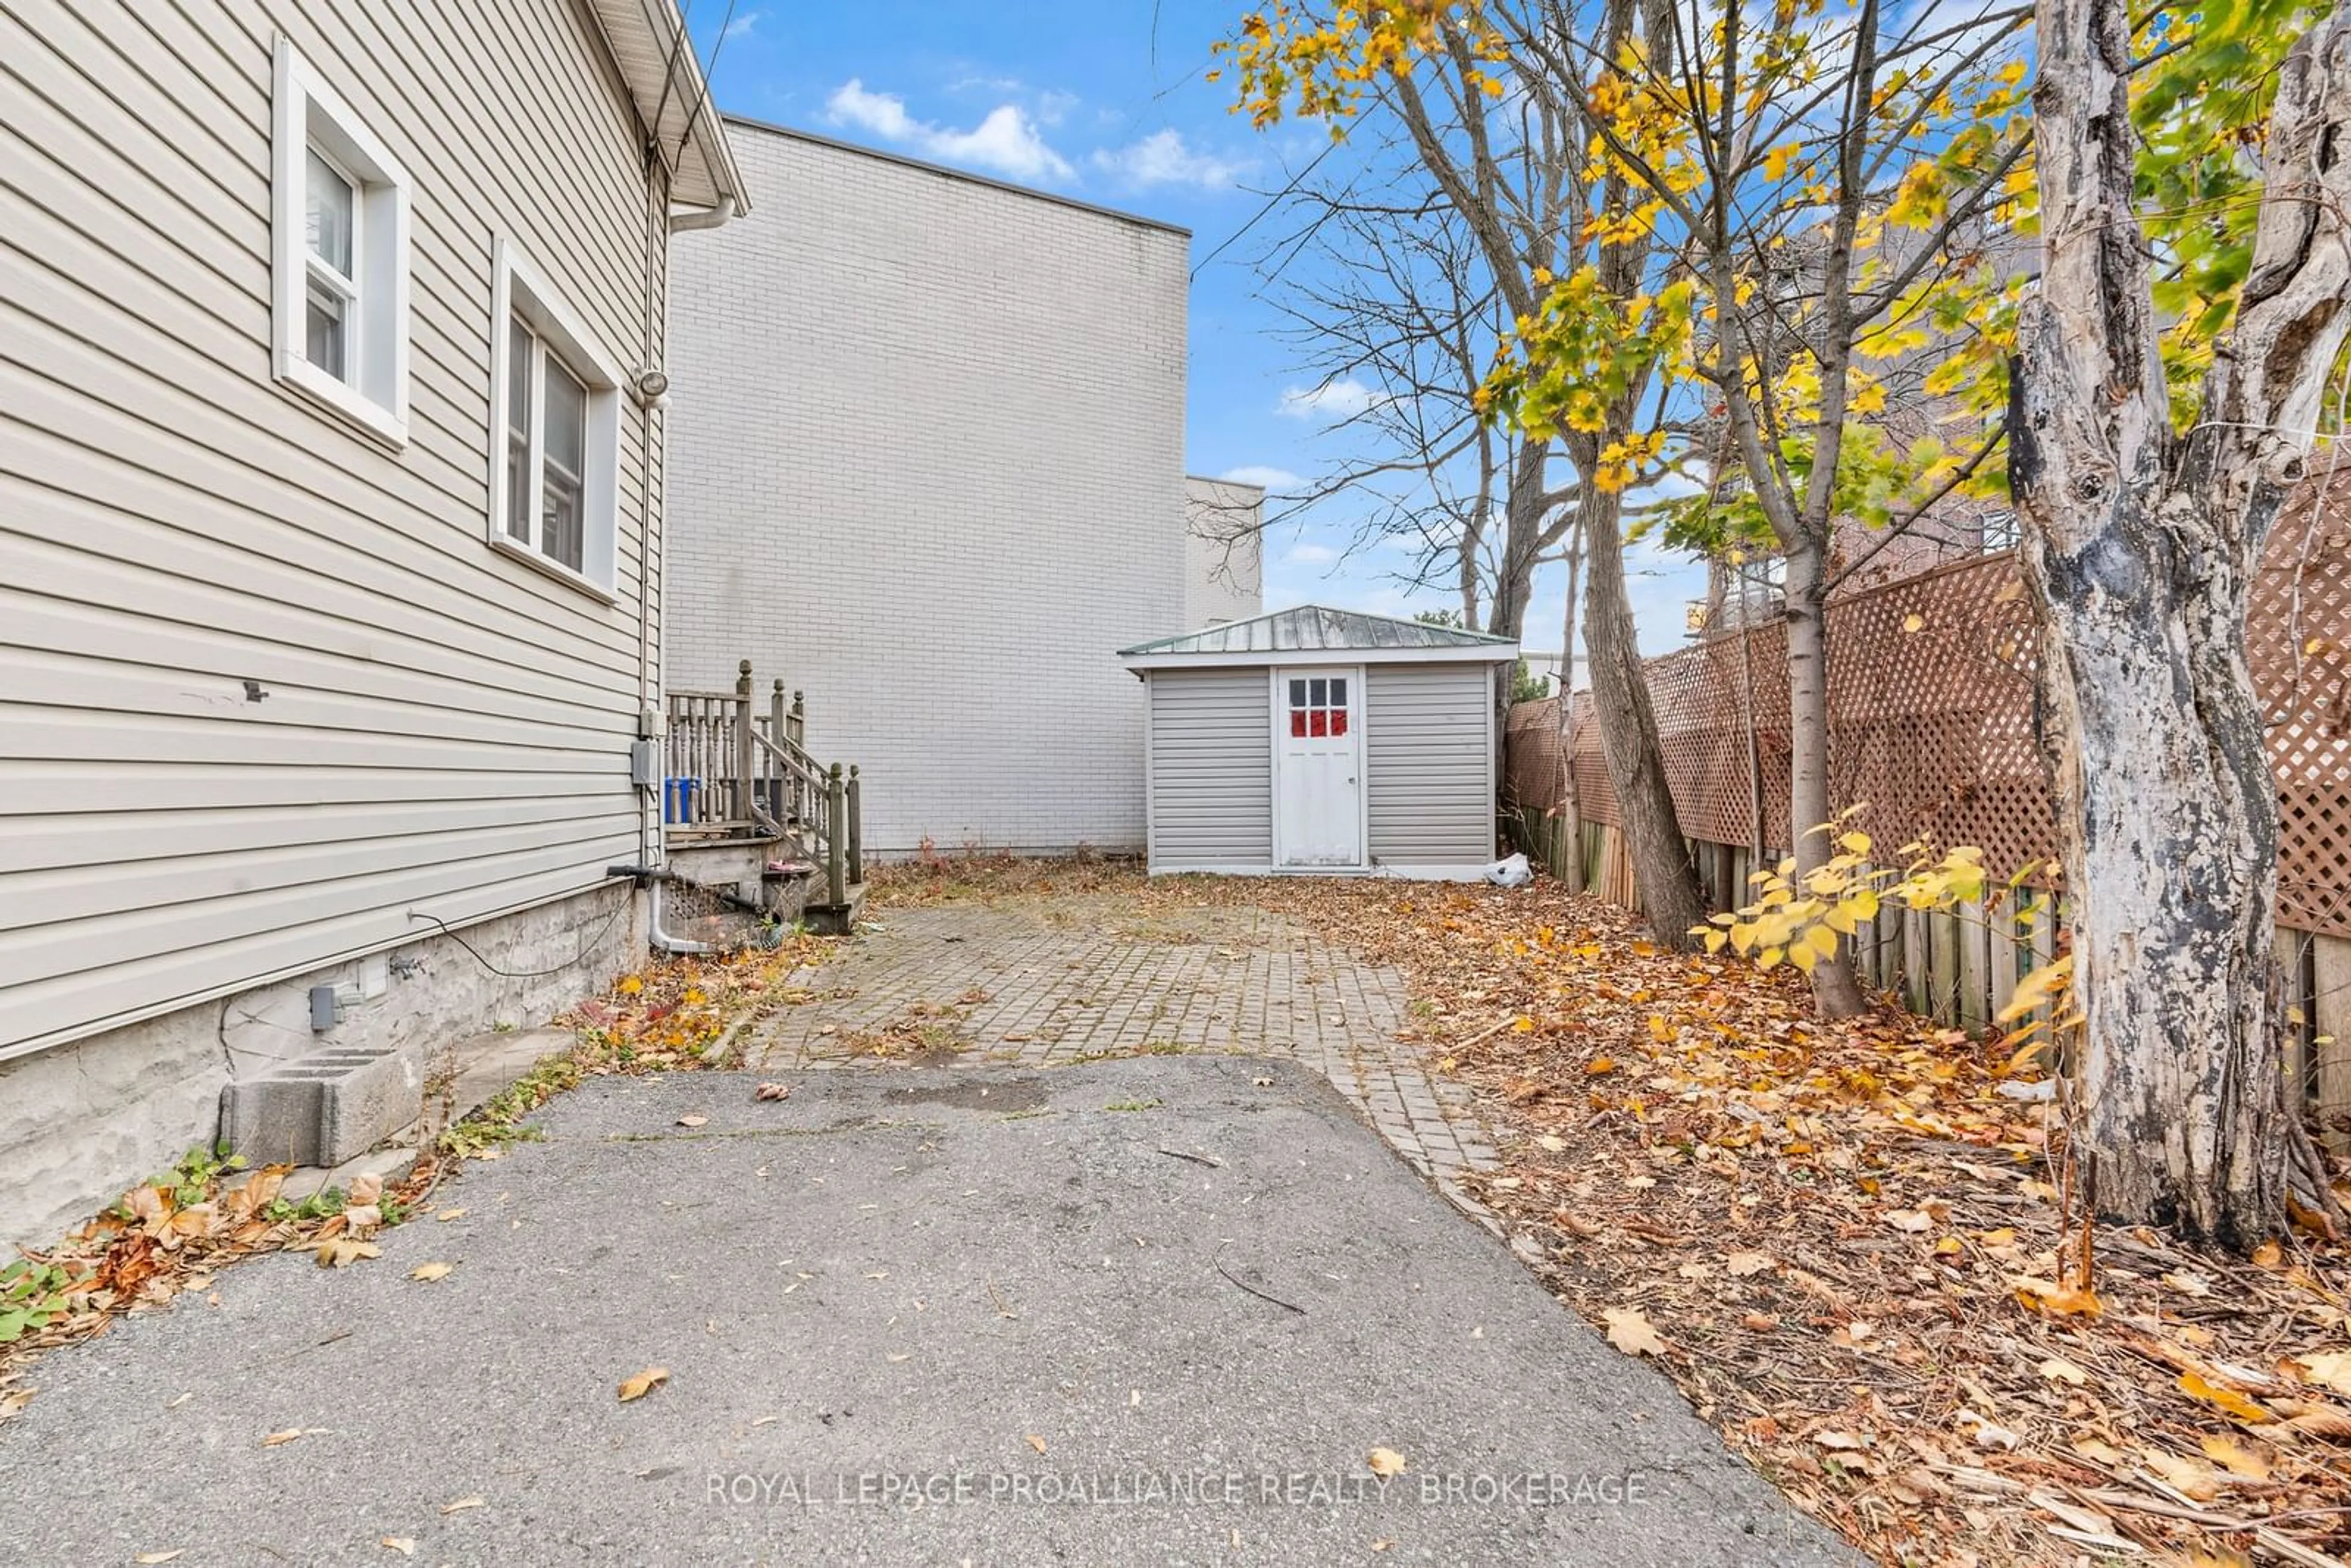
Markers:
point(81, 1123)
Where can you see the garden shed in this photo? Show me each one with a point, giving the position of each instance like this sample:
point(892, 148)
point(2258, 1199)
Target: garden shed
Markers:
point(1322, 741)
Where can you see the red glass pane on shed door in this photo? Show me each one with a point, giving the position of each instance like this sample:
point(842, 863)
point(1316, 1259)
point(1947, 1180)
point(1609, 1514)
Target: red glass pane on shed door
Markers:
point(1338, 721)
point(1322, 724)
point(1297, 722)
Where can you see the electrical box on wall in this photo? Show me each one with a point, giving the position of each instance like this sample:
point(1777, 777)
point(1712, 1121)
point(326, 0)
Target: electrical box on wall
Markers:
point(644, 764)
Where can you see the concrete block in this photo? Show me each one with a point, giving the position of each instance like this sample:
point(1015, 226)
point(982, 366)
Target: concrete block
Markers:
point(323, 1109)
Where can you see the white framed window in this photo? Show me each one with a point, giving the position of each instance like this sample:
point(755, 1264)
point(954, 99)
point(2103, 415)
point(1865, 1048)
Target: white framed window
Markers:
point(556, 430)
point(338, 229)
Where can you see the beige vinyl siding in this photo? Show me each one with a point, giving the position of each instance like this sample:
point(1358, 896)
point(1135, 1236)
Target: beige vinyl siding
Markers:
point(1211, 769)
point(444, 731)
point(1428, 763)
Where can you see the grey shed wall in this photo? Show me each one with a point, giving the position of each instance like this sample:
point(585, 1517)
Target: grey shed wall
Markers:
point(929, 442)
point(1211, 767)
point(1428, 759)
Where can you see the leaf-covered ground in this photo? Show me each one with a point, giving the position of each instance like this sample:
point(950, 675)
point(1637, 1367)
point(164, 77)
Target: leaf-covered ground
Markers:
point(175, 1231)
point(1842, 1242)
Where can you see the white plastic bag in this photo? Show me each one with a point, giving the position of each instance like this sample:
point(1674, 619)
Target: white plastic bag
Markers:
point(1512, 873)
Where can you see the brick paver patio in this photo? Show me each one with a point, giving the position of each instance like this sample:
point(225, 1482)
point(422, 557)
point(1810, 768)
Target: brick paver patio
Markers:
point(1036, 983)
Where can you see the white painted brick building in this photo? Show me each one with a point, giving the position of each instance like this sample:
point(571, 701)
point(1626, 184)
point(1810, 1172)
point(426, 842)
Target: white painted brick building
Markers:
point(928, 440)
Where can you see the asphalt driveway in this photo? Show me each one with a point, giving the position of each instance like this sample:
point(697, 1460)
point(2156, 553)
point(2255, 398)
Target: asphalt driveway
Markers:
point(1145, 1310)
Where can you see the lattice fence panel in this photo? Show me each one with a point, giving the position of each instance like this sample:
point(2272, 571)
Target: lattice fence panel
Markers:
point(1931, 718)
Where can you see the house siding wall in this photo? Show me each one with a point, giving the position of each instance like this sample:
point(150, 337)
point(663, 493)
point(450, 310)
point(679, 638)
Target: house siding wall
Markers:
point(444, 731)
point(1428, 760)
point(929, 469)
point(1211, 769)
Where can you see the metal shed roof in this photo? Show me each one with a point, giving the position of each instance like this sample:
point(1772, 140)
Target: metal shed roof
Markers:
point(1299, 634)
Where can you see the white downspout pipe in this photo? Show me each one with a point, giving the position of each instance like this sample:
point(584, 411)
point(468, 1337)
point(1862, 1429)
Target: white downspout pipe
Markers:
point(703, 217)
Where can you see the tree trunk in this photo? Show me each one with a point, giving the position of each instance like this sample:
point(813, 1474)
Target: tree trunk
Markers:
point(2142, 546)
point(1570, 805)
point(1628, 732)
point(1834, 991)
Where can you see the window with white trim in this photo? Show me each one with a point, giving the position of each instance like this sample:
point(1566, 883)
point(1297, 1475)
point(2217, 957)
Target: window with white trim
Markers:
point(339, 262)
point(556, 447)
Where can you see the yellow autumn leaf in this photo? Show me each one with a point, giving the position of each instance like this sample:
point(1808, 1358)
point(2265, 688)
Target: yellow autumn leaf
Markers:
point(644, 1383)
point(1659, 1029)
point(428, 1273)
point(1822, 941)
point(1036, 1442)
point(1386, 1462)
point(2198, 1386)
point(1913, 621)
point(2236, 1457)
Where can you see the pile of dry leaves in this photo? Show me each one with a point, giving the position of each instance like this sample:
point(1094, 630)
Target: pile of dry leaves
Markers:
point(175, 1231)
point(1843, 1242)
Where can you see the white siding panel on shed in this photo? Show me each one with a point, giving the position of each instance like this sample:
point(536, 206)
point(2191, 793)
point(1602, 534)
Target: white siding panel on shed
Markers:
point(1211, 769)
point(1428, 760)
point(268, 698)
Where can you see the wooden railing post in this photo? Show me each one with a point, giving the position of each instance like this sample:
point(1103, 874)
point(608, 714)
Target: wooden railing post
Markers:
point(798, 723)
point(745, 753)
point(776, 713)
point(836, 823)
point(856, 832)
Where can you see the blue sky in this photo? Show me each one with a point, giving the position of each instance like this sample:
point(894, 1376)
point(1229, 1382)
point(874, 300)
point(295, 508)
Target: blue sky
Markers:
point(1105, 100)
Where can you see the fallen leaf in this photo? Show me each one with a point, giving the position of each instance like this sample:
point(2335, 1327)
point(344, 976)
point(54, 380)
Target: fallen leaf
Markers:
point(902, 1356)
point(1909, 1219)
point(644, 1383)
point(1659, 1029)
point(2058, 1301)
point(1741, 1264)
point(1629, 1331)
point(428, 1273)
point(1761, 1322)
point(2057, 1369)
point(693, 1121)
point(279, 1439)
point(1383, 1543)
point(150, 1557)
point(1838, 1440)
point(403, 1544)
point(2196, 1387)
point(341, 1251)
point(2268, 1255)
point(2190, 1477)
point(463, 1504)
point(2330, 1369)
point(772, 1091)
point(2238, 1459)
point(1386, 1462)
point(364, 1190)
point(1036, 1442)
point(1600, 1065)
point(362, 1215)
point(1551, 1144)
point(446, 1215)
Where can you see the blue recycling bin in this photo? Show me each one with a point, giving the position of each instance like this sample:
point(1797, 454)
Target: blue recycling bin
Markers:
point(677, 798)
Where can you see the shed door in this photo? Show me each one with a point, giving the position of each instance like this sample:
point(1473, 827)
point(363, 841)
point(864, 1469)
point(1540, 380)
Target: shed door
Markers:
point(1317, 774)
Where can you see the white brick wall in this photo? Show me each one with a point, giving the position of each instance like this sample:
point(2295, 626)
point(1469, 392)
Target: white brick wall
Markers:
point(1224, 556)
point(926, 464)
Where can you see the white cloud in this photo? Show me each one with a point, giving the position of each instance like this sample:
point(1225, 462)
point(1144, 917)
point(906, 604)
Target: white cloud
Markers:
point(1305, 552)
point(741, 25)
point(1053, 106)
point(1263, 477)
point(1162, 158)
point(1006, 142)
point(1341, 399)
